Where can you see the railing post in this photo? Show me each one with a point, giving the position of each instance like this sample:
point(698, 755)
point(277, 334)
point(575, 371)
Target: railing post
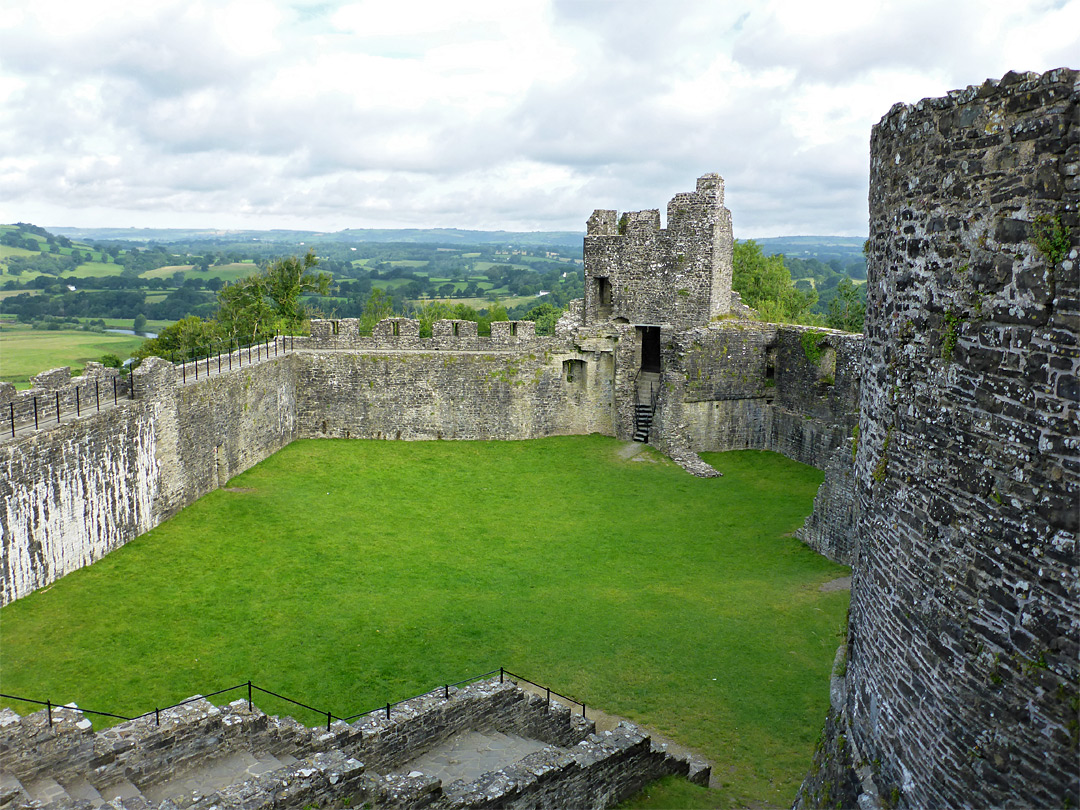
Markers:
point(58, 407)
point(548, 695)
point(131, 383)
point(219, 360)
point(387, 711)
point(328, 721)
point(35, 414)
point(196, 359)
point(446, 692)
point(48, 708)
point(157, 716)
point(183, 369)
point(500, 674)
point(97, 395)
point(249, 696)
point(78, 406)
point(582, 709)
point(12, 406)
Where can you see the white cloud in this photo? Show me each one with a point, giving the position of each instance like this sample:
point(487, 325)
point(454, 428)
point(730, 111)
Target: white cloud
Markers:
point(479, 113)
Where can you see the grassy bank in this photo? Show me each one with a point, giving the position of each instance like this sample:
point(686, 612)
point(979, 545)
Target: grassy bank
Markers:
point(349, 573)
point(24, 351)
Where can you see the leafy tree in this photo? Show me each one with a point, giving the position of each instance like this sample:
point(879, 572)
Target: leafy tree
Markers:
point(429, 313)
point(496, 312)
point(847, 310)
point(187, 338)
point(545, 316)
point(140, 324)
point(110, 361)
point(243, 311)
point(287, 280)
point(379, 305)
point(765, 284)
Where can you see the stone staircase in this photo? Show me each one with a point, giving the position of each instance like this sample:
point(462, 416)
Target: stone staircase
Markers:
point(492, 743)
point(197, 752)
point(648, 386)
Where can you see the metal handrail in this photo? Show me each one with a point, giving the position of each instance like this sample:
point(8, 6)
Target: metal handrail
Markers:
point(330, 717)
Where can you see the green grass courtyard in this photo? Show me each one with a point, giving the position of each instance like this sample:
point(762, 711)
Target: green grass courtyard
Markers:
point(349, 573)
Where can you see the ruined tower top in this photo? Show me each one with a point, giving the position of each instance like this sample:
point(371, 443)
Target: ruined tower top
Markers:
point(680, 276)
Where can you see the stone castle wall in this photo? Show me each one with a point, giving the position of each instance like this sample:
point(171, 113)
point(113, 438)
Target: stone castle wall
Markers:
point(962, 662)
point(741, 385)
point(77, 490)
point(544, 389)
point(680, 275)
point(74, 491)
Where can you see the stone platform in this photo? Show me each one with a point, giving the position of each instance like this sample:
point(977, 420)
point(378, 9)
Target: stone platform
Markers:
point(481, 745)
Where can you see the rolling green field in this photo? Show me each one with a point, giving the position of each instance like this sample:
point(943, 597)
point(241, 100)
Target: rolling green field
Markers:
point(226, 272)
point(349, 573)
point(24, 351)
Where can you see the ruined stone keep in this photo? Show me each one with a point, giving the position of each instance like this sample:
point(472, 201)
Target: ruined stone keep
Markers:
point(948, 433)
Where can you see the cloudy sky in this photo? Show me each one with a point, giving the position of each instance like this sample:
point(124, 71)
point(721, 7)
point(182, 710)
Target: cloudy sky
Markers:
point(489, 114)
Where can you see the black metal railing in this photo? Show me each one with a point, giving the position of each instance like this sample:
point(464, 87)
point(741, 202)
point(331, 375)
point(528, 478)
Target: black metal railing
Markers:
point(225, 357)
point(504, 674)
point(39, 410)
point(35, 411)
point(548, 690)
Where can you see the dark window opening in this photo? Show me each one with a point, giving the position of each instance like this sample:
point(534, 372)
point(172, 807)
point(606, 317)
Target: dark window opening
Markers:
point(650, 348)
point(456, 325)
point(513, 328)
point(574, 370)
point(397, 327)
point(335, 326)
point(603, 296)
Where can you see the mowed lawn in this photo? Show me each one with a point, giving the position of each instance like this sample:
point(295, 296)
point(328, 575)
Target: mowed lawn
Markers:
point(25, 352)
point(349, 573)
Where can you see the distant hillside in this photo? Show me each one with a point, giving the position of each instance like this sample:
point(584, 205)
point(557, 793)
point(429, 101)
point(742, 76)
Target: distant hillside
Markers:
point(822, 248)
point(446, 236)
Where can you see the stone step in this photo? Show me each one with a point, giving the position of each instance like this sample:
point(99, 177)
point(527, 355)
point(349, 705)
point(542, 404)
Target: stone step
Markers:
point(46, 790)
point(122, 790)
point(213, 775)
point(80, 789)
point(12, 792)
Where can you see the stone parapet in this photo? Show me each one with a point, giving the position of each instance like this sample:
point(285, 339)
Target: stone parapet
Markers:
point(366, 761)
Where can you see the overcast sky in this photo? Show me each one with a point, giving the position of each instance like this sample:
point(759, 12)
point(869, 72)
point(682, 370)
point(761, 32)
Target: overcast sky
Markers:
point(500, 114)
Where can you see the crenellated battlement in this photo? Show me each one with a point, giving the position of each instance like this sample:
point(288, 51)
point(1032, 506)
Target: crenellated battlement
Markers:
point(55, 397)
point(639, 273)
point(403, 334)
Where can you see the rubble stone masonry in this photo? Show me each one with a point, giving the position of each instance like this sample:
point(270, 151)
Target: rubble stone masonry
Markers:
point(962, 659)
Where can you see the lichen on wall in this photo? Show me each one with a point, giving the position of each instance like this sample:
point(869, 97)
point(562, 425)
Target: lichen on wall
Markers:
point(964, 632)
point(72, 494)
